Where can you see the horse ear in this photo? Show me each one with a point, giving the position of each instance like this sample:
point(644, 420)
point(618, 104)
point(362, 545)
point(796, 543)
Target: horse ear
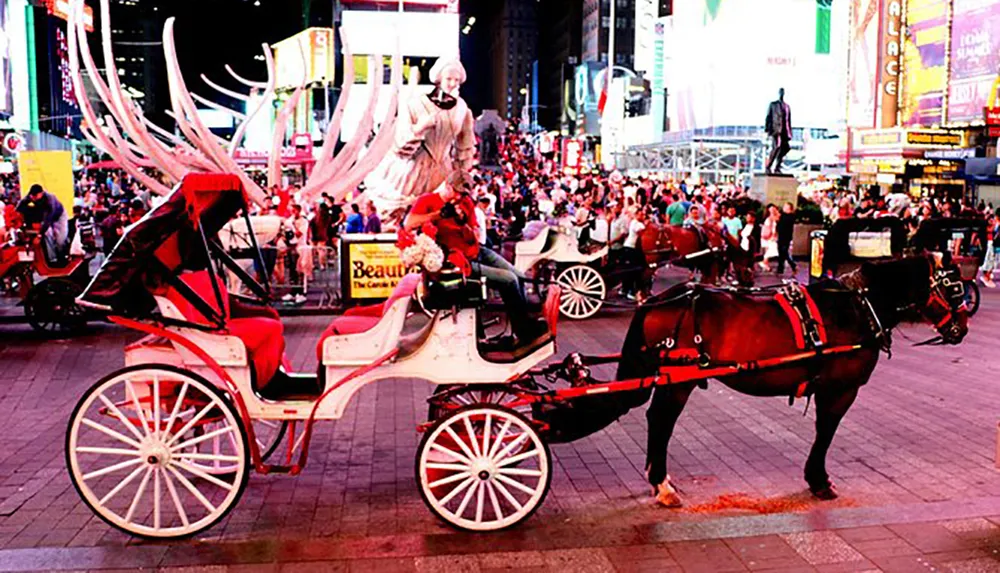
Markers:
point(938, 259)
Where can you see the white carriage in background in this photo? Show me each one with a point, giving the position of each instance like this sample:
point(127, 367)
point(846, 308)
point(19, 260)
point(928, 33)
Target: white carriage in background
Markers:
point(554, 254)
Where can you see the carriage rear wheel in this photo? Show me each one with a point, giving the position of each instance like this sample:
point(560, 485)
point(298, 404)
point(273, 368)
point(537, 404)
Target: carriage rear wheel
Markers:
point(483, 468)
point(583, 291)
point(51, 306)
point(972, 297)
point(132, 455)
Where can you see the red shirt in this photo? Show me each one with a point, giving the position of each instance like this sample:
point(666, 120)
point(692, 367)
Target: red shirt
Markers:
point(451, 235)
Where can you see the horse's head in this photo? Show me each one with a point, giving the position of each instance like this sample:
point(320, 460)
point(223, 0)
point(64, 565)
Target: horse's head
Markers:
point(656, 242)
point(919, 289)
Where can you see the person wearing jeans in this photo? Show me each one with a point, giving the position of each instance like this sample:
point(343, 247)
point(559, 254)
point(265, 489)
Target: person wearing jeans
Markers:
point(451, 210)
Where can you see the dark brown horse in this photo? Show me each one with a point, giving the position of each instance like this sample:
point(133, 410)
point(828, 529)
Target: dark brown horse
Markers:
point(861, 308)
point(711, 251)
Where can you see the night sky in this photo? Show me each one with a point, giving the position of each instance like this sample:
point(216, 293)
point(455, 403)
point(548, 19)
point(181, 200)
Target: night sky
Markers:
point(213, 33)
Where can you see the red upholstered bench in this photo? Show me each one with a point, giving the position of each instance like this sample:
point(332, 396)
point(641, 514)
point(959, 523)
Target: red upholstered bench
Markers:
point(259, 328)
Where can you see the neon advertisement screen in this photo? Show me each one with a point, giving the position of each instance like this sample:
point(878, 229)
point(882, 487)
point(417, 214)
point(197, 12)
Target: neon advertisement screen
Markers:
point(975, 58)
point(797, 45)
point(925, 47)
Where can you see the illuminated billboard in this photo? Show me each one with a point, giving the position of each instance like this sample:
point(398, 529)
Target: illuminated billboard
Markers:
point(420, 34)
point(975, 58)
point(308, 53)
point(393, 5)
point(797, 45)
point(925, 47)
point(862, 78)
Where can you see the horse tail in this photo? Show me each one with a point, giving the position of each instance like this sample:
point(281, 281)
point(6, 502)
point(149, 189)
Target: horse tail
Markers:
point(581, 417)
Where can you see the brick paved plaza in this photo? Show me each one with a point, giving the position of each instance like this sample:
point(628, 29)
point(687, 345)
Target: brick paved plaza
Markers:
point(914, 463)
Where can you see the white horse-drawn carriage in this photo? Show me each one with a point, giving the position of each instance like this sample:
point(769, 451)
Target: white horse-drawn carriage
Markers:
point(554, 254)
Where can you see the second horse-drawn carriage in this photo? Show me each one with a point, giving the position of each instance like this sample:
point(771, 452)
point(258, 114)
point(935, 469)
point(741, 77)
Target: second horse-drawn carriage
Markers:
point(164, 447)
point(47, 291)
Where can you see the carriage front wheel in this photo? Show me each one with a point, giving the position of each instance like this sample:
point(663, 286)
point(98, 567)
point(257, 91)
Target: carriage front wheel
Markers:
point(133, 456)
point(483, 468)
point(583, 291)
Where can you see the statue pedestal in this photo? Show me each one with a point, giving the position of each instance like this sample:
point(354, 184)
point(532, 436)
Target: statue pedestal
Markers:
point(776, 189)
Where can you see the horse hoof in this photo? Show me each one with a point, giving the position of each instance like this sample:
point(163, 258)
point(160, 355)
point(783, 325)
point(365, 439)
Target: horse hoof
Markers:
point(667, 496)
point(825, 493)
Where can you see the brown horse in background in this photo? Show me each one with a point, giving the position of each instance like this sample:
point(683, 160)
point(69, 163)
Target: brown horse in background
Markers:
point(712, 251)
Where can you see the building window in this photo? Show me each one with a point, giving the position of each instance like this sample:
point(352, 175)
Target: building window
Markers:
point(605, 21)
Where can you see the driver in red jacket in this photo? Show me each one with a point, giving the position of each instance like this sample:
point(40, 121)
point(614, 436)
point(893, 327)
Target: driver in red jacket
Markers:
point(452, 211)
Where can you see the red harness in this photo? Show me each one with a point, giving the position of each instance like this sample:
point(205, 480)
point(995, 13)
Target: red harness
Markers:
point(804, 316)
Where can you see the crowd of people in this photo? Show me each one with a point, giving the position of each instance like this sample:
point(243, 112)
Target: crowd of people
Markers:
point(525, 191)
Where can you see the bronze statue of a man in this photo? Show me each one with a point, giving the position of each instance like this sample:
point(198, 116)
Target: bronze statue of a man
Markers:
point(779, 126)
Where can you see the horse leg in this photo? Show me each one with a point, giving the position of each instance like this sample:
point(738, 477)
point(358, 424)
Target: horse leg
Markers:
point(668, 403)
point(830, 410)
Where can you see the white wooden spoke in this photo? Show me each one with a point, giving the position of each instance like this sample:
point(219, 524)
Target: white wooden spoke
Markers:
point(458, 489)
point(497, 512)
point(480, 494)
point(210, 479)
point(447, 480)
point(157, 492)
point(456, 455)
point(515, 484)
point(472, 437)
point(121, 417)
point(107, 451)
point(452, 467)
point(121, 485)
point(177, 406)
point(202, 438)
point(500, 438)
point(519, 457)
point(520, 472)
point(130, 392)
point(178, 506)
point(193, 490)
point(469, 493)
point(111, 469)
point(197, 418)
point(460, 442)
point(108, 431)
point(510, 447)
point(138, 494)
point(506, 493)
point(156, 410)
point(208, 457)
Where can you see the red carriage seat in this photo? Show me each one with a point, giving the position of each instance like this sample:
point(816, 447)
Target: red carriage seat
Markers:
point(259, 328)
point(364, 318)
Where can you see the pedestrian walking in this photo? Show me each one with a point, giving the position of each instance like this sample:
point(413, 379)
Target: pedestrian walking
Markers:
point(786, 231)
